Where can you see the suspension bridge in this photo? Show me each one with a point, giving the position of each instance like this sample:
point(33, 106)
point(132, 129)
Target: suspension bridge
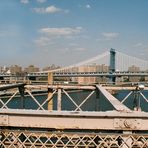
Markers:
point(77, 116)
point(116, 61)
point(117, 64)
point(114, 64)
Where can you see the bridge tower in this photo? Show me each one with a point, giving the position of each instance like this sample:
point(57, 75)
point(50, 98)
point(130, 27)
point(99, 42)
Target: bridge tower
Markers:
point(112, 67)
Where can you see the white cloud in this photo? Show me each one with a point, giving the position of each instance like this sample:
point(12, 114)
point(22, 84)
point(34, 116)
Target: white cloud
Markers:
point(88, 6)
point(24, 1)
point(49, 9)
point(110, 35)
point(52, 9)
point(41, 1)
point(67, 31)
point(42, 41)
point(39, 10)
point(50, 36)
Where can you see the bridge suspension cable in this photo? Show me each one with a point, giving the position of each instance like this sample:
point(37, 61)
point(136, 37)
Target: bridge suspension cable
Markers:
point(100, 59)
point(124, 61)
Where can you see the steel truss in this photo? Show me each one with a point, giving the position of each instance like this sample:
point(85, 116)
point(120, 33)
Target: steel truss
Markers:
point(39, 127)
point(41, 105)
point(59, 139)
point(59, 91)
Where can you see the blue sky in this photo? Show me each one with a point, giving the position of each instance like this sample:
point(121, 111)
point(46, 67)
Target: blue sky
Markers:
point(63, 32)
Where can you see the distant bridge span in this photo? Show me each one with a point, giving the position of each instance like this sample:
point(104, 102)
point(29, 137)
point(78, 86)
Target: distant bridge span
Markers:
point(89, 74)
point(118, 65)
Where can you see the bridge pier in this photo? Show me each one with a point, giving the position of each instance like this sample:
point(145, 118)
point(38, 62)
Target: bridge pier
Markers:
point(112, 64)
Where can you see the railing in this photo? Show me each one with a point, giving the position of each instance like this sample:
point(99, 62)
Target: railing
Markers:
point(27, 120)
point(26, 139)
point(55, 95)
point(67, 97)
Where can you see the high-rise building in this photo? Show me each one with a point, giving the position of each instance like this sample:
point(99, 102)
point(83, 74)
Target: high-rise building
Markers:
point(31, 68)
point(102, 68)
point(51, 67)
point(92, 68)
point(4, 69)
point(15, 69)
point(87, 80)
point(134, 68)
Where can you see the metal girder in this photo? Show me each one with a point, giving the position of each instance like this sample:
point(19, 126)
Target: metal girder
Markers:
point(10, 86)
point(71, 99)
point(122, 88)
point(78, 107)
point(91, 93)
point(35, 100)
point(115, 102)
point(144, 97)
point(77, 87)
point(6, 103)
point(50, 97)
point(126, 96)
point(111, 120)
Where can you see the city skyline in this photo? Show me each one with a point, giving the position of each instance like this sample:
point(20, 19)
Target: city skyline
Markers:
point(45, 32)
